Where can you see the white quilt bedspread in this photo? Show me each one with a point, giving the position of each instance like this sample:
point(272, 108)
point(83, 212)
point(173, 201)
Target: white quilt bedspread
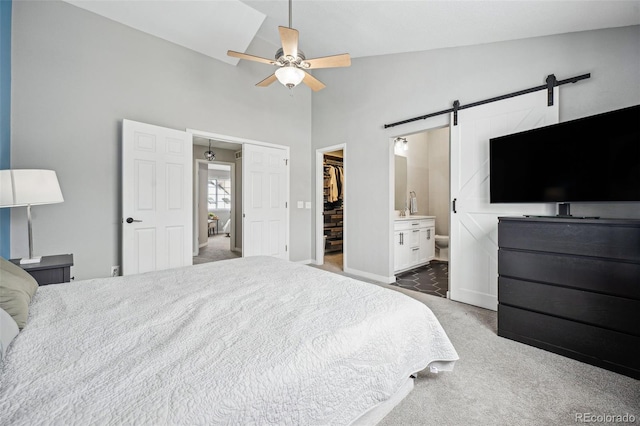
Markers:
point(245, 341)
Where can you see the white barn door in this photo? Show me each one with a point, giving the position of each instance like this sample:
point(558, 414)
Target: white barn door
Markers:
point(473, 269)
point(265, 191)
point(157, 166)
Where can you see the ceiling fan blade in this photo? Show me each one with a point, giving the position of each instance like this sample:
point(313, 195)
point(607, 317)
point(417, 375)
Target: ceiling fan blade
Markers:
point(250, 57)
point(313, 82)
point(267, 81)
point(289, 38)
point(334, 61)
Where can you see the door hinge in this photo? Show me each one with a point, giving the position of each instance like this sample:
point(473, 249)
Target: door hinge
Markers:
point(286, 248)
point(286, 205)
point(286, 161)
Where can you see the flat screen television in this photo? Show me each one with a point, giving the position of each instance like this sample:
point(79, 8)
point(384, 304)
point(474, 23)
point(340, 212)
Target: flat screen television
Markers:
point(592, 159)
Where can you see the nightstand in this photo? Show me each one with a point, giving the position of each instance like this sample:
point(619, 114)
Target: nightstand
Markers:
point(50, 270)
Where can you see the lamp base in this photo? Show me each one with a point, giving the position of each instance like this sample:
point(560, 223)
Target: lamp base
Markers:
point(26, 260)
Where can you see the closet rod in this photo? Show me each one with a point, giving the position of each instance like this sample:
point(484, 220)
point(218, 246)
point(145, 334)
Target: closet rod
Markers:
point(550, 80)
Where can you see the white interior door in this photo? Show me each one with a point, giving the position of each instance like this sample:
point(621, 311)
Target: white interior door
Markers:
point(265, 191)
point(473, 269)
point(157, 196)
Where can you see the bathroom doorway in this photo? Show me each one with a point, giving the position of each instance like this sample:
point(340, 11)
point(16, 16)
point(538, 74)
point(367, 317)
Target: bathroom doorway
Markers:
point(331, 208)
point(422, 189)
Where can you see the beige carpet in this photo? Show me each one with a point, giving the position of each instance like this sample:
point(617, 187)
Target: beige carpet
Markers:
point(218, 248)
point(502, 382)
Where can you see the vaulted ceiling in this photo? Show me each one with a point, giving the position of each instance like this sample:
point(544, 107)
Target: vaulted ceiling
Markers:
point(361, 28)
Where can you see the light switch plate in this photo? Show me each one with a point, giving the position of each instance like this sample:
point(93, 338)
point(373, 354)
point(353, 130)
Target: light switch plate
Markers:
point(300, 204)
point(307, 204)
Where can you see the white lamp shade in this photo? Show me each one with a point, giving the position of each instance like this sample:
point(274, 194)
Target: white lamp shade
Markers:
point(22, 187)
point(290, 76)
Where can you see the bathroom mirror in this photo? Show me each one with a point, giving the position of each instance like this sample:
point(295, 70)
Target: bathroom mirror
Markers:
point(401, 182)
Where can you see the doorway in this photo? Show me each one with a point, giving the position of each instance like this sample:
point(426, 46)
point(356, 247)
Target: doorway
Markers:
point(262, 235)
point(331, 224)
point(215, 207)
point(422, 190)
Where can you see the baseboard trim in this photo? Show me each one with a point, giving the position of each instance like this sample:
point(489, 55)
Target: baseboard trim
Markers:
point(370, 276)
point(203, 245)
point(306, 261)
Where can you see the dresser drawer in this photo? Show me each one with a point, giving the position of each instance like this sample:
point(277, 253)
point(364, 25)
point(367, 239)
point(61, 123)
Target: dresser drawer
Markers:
point(598, 346)
point(611, 312)
point(588, 238)
point(587, 273)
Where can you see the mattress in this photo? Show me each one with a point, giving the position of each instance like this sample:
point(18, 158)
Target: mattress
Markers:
point(253, 340)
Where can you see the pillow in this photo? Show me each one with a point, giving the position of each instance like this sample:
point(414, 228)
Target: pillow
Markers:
point(17, 288)
point(8, 330)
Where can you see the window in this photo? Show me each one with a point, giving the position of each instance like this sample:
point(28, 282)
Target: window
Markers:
point(219, 194)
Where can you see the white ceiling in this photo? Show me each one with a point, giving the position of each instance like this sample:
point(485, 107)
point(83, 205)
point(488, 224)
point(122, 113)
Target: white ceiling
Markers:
point(360, 28)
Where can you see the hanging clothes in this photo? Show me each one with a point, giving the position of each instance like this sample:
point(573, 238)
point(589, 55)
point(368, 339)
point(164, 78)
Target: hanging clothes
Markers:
point(333, 185)
point(340, 180)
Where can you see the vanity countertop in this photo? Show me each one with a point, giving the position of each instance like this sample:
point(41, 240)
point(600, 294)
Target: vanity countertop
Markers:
point(414, 217)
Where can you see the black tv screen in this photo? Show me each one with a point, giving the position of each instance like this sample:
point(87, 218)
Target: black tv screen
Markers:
point(592, 159)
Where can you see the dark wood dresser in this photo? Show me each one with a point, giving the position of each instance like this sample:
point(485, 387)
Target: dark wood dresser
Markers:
point(572, 286)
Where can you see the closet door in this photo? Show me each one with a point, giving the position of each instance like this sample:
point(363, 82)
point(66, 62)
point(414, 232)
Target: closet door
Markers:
point(473, 269)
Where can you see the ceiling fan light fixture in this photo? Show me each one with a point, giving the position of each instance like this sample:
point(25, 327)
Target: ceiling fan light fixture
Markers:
point(290, 76)
point(292, 63)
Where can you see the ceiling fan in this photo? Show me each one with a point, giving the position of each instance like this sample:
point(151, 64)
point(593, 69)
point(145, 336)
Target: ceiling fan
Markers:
point(291, 62)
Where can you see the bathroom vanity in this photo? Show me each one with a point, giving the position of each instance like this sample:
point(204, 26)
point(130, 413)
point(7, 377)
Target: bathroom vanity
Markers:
point(413, 241)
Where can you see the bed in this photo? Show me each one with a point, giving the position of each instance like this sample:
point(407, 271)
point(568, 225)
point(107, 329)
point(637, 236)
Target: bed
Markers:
point(253, 340)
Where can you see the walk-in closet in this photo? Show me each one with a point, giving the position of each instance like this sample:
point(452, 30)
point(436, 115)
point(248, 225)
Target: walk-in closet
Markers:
point(333, 207)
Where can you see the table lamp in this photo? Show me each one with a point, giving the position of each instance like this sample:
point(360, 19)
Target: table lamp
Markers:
point(22, 187)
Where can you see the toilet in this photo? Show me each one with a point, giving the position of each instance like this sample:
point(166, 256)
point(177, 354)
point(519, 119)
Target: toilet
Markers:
point(442, 247)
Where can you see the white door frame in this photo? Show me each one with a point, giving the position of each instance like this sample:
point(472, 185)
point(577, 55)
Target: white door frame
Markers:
point(233, 139)
point(320, 203)
point(196, 199)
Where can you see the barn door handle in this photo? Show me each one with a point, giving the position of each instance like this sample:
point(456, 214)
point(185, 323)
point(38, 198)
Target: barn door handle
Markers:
point(454, 205)
point(131, 220)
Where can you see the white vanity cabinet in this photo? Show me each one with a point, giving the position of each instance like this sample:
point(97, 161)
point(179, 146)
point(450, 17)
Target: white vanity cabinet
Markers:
point(414, 242)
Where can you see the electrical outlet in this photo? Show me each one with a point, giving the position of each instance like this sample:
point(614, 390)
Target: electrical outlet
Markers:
point(115, 271)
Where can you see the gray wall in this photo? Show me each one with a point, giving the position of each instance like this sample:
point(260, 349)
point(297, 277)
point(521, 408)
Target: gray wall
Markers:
point(202, 215)
point(76, 75)
point(379, 90)
point(418, 170)
point(439, 185)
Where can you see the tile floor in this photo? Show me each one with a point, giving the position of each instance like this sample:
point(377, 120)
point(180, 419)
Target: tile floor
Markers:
point(430, 279)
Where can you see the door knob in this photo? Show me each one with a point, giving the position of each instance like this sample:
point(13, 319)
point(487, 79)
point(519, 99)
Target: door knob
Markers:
point(131, 220)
